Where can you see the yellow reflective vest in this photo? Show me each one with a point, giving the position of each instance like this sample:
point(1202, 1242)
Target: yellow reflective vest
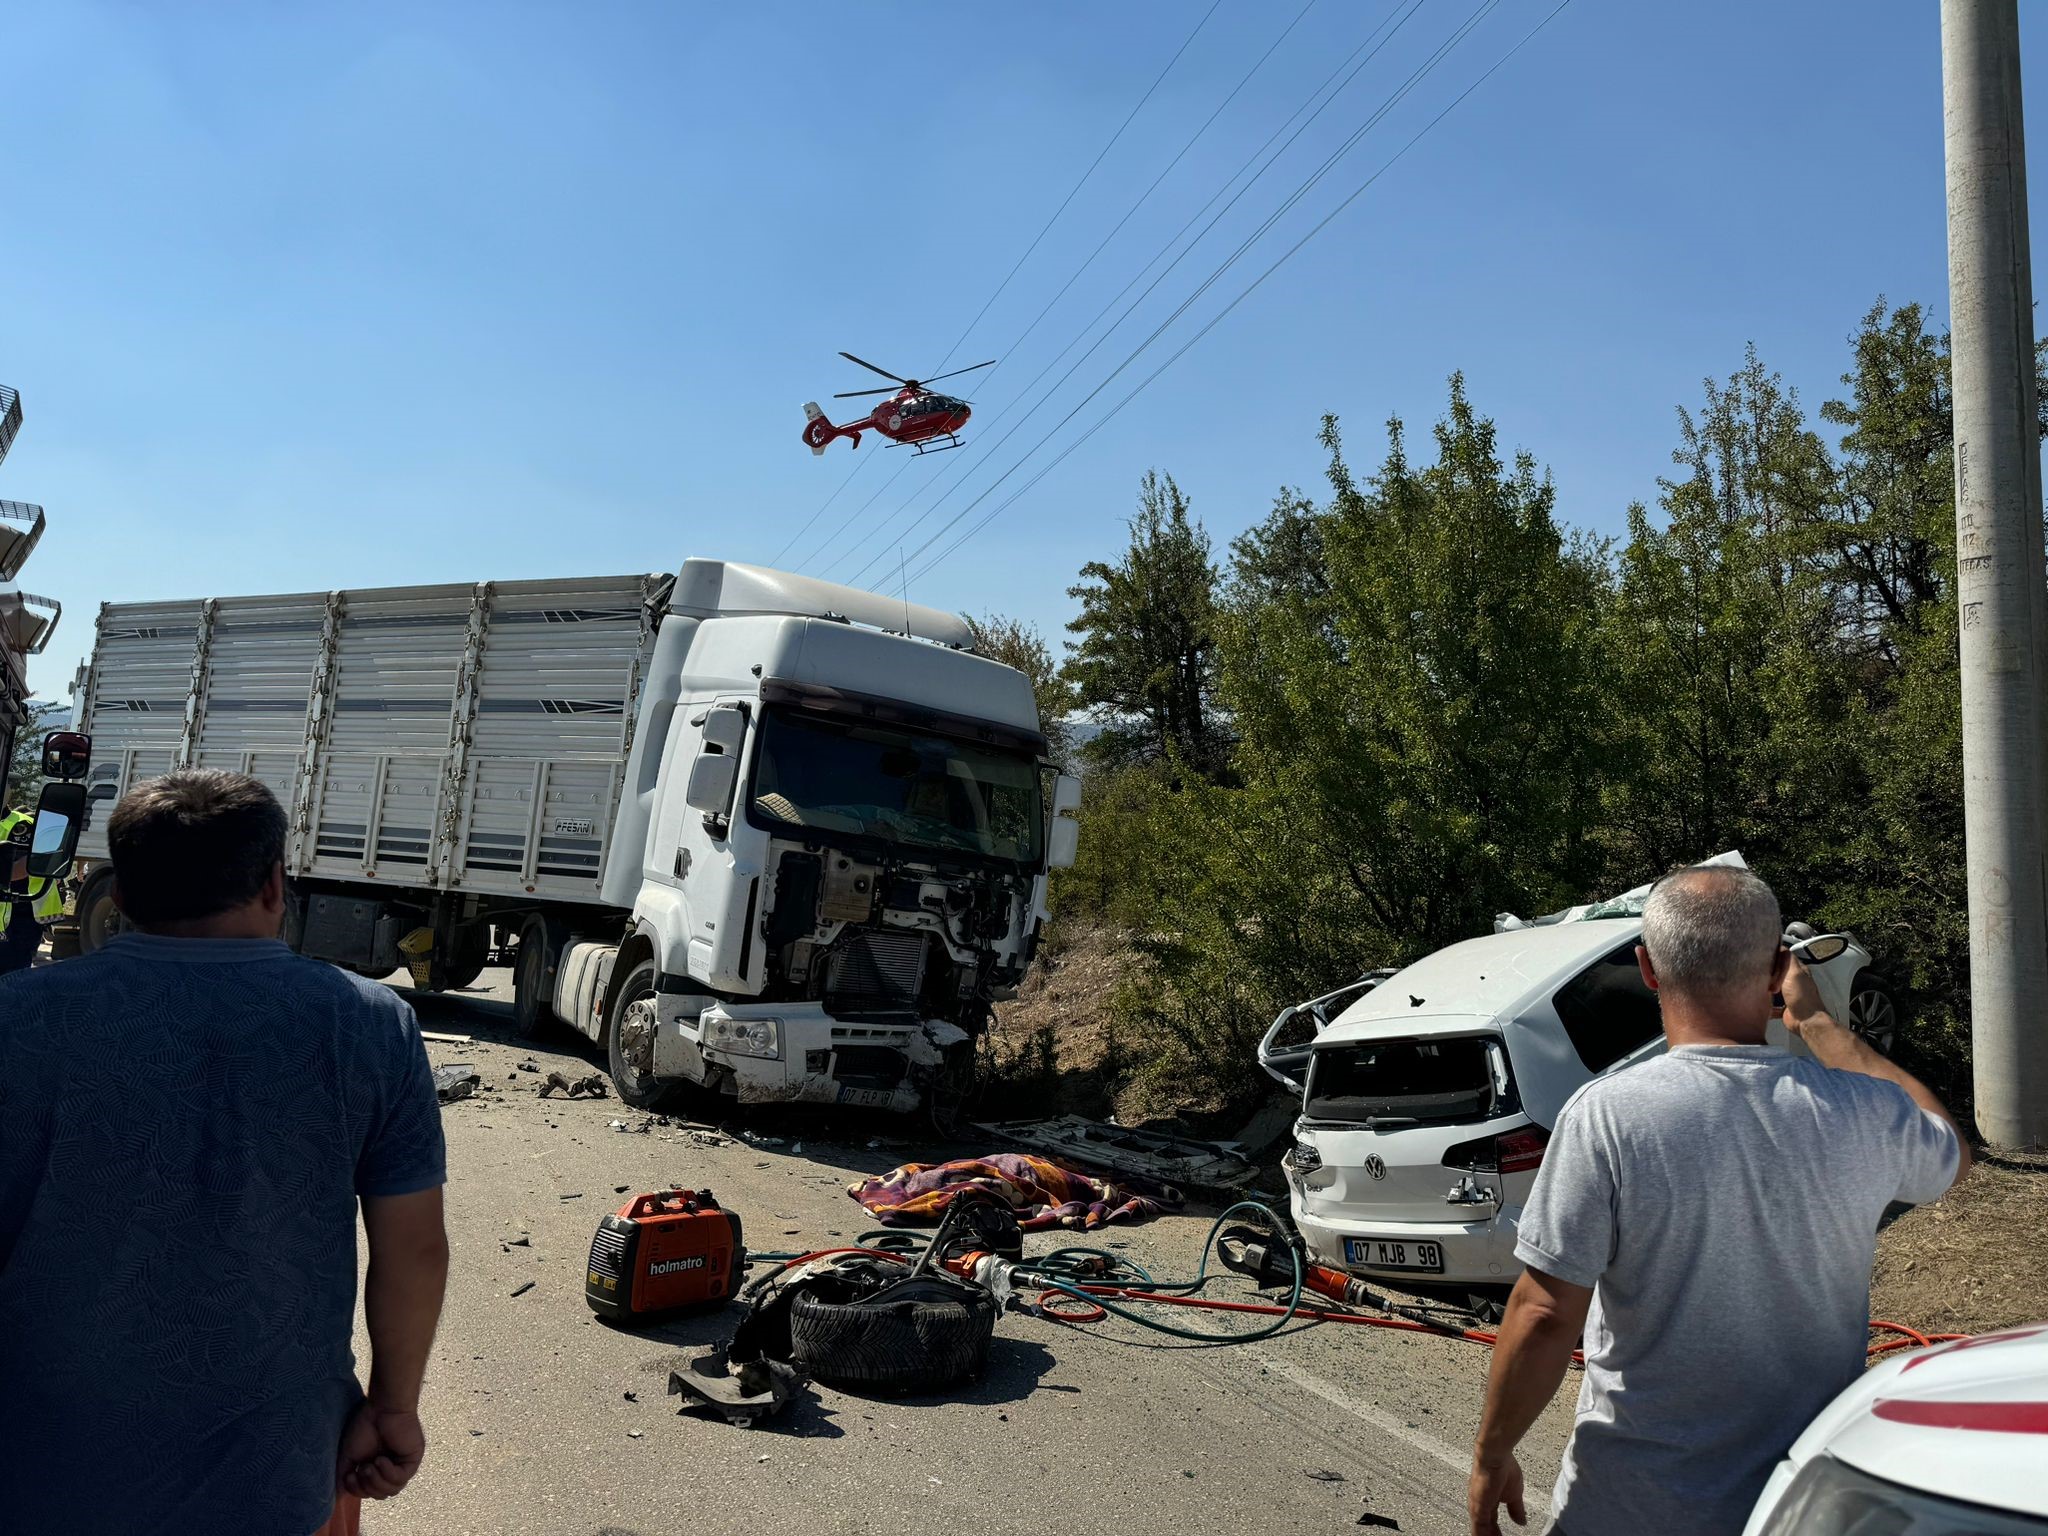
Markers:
point(47, 896)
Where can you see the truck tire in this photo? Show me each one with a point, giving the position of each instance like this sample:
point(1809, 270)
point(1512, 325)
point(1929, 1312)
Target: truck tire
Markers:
point(98, 918)
point(533, 977)
point(894, 1345)
point(468, 950)
point(629, 1050)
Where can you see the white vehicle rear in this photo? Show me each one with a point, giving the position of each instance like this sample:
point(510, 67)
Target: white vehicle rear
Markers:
point(1427, 1101)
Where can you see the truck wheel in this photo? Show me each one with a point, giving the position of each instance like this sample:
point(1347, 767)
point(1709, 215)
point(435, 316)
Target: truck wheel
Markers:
point(894, 1344)
point(533, 977)
point(1873, 1011)
point(469, 948)
point(98, 918)
point(629, 1042)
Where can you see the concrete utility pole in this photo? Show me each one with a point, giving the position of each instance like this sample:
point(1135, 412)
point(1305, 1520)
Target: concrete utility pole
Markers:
point(1999, 567)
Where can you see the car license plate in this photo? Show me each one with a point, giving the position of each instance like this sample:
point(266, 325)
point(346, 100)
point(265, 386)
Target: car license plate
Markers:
point(866, 1098)
point(1379, 1253)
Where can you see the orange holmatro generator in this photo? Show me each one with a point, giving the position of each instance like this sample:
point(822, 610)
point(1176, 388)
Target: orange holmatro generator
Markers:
point(663, 1252)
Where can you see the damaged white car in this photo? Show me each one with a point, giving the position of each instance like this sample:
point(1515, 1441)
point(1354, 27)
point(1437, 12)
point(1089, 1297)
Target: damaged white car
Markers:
point(1429, 1093)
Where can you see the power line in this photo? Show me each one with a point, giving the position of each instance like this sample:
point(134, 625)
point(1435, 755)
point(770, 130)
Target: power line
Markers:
point(854, 516)
point(859, 465)
point(1350, 142)
point(935, 561)
point(1349, 69)
point(1005, 283)
point(1183, 48)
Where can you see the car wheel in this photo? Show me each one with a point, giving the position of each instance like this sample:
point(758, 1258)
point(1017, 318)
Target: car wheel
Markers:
point(893, 1343)
point(1873, 1011)
point(629, 1042)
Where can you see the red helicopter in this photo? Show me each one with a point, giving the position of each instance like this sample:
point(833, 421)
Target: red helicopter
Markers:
point(912, 414)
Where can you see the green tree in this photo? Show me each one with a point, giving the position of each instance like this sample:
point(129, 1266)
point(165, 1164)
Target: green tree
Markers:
point(25, 770)
point(1017, 644)
point(1414, 752)
point(1723, 634)
point(1143, 660)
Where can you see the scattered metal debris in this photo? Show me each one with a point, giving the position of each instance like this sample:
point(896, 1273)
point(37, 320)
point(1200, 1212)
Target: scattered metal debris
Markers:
point(529, 1066)
point(439, 1038)
point(457, 1080)
point(523, 1287)
point(593, 1087)
point(1324, 1475)
point(577, 1196)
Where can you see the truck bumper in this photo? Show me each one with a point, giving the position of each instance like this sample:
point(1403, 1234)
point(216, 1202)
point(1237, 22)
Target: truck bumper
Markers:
point(820, 1060)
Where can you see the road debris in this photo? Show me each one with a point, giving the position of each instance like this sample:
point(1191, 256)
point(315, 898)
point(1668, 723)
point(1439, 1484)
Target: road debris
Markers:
point(523, 1287)
point(635, 1434)
point(529, 1066)
point(457, 1080)
point(592, 1086)
point(759, 1389)
point(577, 1196)
point(756, 1139)
point(1040, 1191)
point(1324, 1475)
point(440, 1038)
point(1152, 1157)
point(523, 1240)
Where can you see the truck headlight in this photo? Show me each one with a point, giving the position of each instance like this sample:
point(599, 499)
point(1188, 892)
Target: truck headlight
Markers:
point(745, 1037)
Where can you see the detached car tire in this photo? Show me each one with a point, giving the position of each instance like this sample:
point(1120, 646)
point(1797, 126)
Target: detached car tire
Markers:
point(916, 1336)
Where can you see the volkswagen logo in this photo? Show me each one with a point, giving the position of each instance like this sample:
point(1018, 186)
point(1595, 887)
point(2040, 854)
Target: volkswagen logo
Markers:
point(1375, 1166)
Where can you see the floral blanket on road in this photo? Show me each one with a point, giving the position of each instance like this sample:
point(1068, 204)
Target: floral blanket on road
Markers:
point(1041, 1192)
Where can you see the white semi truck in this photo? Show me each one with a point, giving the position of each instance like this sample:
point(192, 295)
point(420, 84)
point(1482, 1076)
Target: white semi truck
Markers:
point(756, 834)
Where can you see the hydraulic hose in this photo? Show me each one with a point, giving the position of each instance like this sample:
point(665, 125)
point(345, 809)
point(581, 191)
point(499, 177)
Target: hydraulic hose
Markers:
point(1082, 1285)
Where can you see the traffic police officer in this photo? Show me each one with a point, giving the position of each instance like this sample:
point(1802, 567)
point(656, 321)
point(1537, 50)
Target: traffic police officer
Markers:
point(30, 903)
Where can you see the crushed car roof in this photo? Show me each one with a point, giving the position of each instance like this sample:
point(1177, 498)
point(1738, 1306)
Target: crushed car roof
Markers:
point(1493, 976)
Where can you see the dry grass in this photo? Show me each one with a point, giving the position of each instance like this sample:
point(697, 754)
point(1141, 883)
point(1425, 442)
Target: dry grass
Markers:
point(1972, 1262)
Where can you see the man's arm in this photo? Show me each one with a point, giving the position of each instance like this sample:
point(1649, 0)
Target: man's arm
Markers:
point(1836, 1045)
point(1544, 1318)
point(384, 1443)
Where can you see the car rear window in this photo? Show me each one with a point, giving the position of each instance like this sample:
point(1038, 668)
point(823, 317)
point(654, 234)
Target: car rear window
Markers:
point(1414, 1082)
point(1608, 1009)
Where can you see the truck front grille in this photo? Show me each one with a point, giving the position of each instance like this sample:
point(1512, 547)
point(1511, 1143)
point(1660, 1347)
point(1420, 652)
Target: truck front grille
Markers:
point(875, 971)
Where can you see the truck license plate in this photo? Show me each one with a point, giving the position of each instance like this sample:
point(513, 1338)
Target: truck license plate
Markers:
point(1378, 1253)
point(865, 1098)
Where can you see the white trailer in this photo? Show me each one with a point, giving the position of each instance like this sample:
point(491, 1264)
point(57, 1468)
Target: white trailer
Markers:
point(769, 836)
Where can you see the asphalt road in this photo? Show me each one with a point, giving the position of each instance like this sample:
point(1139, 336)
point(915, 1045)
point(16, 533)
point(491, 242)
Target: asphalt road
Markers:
point(543, 1420)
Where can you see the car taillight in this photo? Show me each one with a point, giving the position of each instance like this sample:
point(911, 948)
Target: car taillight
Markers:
point(1512, 1152)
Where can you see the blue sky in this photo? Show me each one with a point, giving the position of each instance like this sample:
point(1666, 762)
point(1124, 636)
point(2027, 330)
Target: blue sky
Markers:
point(309, 296)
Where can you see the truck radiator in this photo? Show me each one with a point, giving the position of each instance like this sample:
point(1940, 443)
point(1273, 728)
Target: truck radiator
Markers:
point(875, 971)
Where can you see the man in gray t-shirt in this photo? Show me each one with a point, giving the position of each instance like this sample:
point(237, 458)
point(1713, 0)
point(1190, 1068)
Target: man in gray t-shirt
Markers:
point(1708, 1218)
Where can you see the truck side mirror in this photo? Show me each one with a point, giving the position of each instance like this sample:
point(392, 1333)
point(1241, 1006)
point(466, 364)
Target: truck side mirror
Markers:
point(711, 781)
point(66, 755)
point(1063, 841)
point(60, 816)
point(725, 728)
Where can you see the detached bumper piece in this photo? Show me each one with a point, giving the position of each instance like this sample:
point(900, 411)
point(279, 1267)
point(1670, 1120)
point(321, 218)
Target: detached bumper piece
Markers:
point(758, 1390)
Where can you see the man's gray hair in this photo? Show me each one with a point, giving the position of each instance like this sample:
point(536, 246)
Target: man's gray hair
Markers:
point(1711, 930)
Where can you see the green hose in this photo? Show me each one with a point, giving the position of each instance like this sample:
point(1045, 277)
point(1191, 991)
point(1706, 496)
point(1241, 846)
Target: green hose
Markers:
point(1065, 1270)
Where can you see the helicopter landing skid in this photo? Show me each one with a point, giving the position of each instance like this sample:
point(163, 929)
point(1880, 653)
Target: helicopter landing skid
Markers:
point(932, 445)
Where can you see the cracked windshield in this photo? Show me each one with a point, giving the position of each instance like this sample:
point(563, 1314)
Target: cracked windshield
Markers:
point(899, 785)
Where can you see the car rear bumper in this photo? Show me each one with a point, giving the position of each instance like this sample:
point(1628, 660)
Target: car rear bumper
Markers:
point(1476, 1252)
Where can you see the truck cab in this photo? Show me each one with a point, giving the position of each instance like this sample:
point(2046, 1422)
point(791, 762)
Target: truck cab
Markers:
point(839, 822)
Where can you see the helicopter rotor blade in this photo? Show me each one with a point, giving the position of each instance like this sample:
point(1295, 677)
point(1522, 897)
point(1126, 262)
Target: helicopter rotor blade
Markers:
point(871, 368)
point(969, 369)
point(855, 394)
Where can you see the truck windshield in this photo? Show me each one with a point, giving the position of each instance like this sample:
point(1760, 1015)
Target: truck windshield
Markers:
point(1410, 1082)
point(897, 784)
